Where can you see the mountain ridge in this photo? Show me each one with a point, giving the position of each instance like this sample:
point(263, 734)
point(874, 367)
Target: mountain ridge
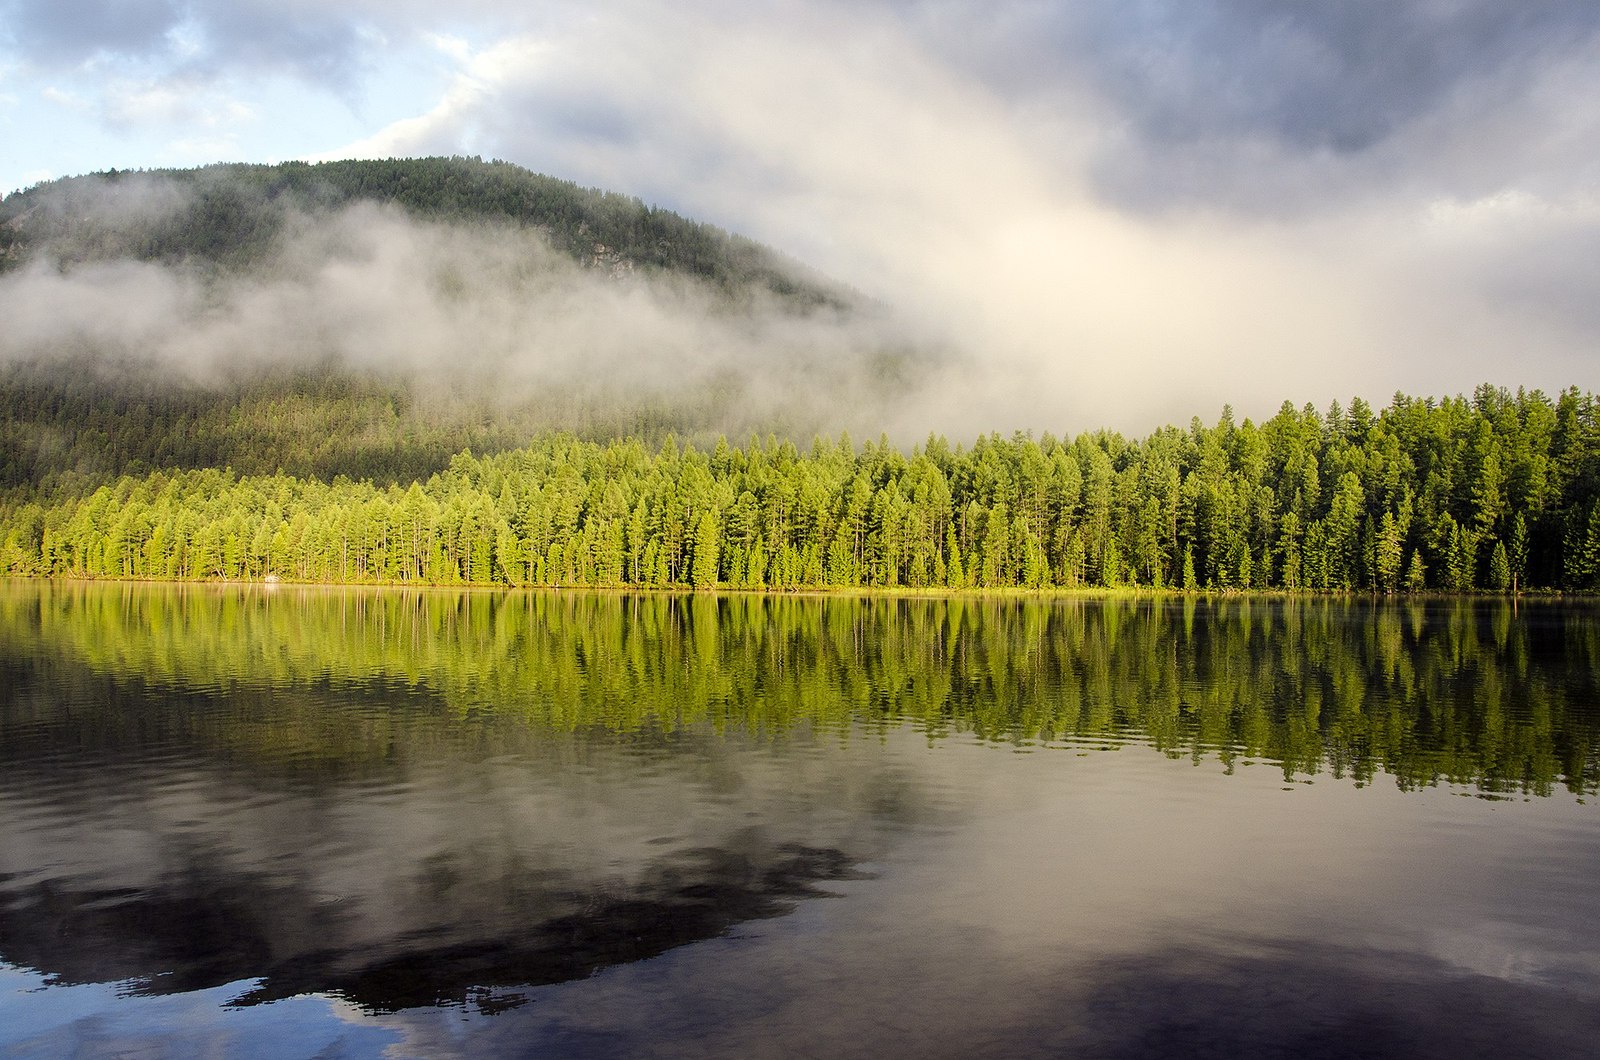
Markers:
point(228, 214)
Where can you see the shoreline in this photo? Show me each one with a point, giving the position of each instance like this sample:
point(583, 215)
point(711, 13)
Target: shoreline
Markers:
point(869, 592)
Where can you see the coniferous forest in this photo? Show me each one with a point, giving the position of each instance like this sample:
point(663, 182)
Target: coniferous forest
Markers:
point(1497, 493)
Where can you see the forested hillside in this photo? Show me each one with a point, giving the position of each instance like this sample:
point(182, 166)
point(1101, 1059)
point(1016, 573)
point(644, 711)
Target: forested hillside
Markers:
point(372, 318)
point(1497, 492)
point(67, 428)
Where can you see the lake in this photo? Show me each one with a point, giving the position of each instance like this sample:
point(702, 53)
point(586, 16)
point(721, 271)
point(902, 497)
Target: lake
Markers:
point(342, 822)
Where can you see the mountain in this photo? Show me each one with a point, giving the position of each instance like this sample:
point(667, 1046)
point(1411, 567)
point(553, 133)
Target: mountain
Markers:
point(230, 215)
point(371, 318)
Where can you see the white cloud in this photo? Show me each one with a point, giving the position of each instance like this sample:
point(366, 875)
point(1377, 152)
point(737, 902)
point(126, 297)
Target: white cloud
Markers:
point(489, 311)
point(30, 177)
point(63, 98)
point(450, 125)
point(842, 138)
point(457, 48)
point(221, 148)
point(186, 40)
point(169, 104)
point(1007, 176)
point(1511, 207)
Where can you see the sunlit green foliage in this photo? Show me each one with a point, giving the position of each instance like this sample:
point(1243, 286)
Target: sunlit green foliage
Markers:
point(1495, 493)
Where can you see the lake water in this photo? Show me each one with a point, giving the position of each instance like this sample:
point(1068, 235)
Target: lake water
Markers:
point(358, 823)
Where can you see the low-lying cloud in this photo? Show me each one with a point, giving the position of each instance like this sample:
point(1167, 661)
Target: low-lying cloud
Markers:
point(1119, 227)
point(472, 310)
point(1122, 214)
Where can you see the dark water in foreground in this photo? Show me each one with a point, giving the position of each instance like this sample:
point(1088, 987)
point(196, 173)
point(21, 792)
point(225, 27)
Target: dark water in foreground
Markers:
point(319, 822)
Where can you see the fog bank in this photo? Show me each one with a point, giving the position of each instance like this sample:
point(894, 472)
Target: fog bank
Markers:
point(472, 310)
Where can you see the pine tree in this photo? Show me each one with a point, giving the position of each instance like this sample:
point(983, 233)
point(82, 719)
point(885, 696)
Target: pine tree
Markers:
point(1518, 553)
point(1499, 568)
point(1416, 575)
point(756, 571)
point(1583, 551)
point(955, 576)
point(1389, 553)
point(707, 542)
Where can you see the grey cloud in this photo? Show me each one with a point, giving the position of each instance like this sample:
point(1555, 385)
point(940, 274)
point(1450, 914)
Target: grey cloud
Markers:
point(1335, 77)
point(321, 43)
point(70, 31)
point(1267, 105)
point(1547, 270)
point(1277, 105)
point(1338, 79)
point(568, 113)
point(1272, 250)
point(1219, 201)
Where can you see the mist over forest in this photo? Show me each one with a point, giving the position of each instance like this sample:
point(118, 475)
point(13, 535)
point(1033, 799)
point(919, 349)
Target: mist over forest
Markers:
point(466, 294)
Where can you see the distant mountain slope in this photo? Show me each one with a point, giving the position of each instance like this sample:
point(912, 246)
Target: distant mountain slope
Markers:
point(371, 318)
point(68, 431)
point(231, 214)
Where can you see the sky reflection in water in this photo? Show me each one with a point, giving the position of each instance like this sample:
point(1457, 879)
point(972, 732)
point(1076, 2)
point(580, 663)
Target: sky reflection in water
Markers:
point(588, 824)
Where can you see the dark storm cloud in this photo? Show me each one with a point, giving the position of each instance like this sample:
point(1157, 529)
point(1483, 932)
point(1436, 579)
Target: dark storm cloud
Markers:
point(71, 31)
point(1269, 104)
point(322, 44)
point(1273, 106)
point(1322, 77)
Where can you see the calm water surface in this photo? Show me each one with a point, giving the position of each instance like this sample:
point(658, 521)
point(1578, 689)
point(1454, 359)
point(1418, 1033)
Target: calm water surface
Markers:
point(358, 823)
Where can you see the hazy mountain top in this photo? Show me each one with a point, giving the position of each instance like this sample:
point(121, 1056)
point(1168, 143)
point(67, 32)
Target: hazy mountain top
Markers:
point(372, 317)
point(235, 216)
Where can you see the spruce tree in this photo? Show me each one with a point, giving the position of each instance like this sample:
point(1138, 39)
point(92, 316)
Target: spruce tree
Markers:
point(707, 540)
point(1499, 568)
point(1416, 575)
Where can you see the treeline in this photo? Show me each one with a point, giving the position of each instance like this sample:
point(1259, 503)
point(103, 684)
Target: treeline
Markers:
point(230, 216)
point(1495, 493)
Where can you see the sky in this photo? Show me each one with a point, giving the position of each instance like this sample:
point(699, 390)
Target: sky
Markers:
point(1124, 212)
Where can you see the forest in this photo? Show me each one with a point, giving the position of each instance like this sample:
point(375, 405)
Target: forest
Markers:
point(73, 424)
point(1496, 493)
